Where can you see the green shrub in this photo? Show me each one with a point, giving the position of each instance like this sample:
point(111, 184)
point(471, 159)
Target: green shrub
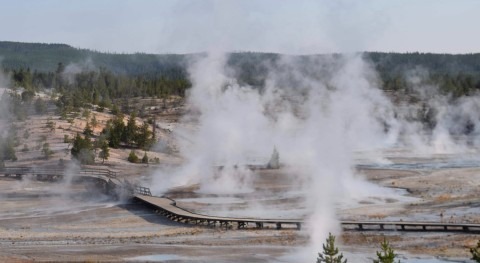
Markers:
point(132, 157)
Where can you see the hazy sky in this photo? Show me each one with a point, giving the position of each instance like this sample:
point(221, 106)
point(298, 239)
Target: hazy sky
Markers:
point(184, 26)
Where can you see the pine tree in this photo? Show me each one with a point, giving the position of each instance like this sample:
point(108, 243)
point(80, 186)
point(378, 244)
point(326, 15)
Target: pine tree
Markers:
point(330, 252)
point(115, 130)
point(7, 151)
point(131, 130)
point(476, 252)
point(387, 255)
point(132, 157)
point(88, 131)
point(145, 158)
point(115, 110)
point(105, 152)
point(82, 150)
point(144, 137)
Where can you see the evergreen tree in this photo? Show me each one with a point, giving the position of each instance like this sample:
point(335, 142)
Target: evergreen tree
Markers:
point(476, 252)
point(88, 132)
point(130, 135)
point(387, 255)
point(7, 151)
point(86, 114)
point(115, 110)
point(132, 157)
point(98, 143)
point(114, 131)
point(330, 252)
point(145, 158)
point(144, 137)
point(104, 152)
point(82, 150)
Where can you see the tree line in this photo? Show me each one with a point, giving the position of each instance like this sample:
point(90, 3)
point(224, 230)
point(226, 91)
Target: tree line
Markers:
point(100, 87)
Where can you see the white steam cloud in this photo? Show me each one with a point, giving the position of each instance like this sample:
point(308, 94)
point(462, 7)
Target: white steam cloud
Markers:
point(316, 123)
point(436, 122)
point(319, 117)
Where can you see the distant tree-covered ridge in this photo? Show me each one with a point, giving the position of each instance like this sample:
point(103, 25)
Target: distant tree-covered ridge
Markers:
point(103, 77)
point(45, 58)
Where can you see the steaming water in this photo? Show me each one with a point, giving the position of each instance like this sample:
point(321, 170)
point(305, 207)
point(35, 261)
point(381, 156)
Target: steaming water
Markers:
point(406, 159)
point(428, 165)
point(286, 205)
point(256, 204)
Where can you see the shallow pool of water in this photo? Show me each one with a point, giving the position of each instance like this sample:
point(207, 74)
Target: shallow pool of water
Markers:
point(426, 164)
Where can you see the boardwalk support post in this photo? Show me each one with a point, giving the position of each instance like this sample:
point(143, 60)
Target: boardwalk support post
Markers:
point(241, 224)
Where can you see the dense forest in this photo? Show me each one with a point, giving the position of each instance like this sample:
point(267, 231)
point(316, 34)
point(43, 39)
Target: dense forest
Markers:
point(84, 76)
point(45, 58)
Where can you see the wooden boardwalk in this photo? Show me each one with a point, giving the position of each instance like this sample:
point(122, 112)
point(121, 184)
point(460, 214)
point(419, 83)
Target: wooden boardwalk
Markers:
point(167, 207)
point(411, 226)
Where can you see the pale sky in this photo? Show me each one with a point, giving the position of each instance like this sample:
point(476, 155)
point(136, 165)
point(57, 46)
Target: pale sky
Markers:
point(285, 26)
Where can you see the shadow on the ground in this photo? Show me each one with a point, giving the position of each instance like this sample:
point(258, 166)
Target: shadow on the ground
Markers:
point(148, 214)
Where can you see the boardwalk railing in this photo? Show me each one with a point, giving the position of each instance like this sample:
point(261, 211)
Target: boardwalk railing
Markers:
point(141, 190)
point(412, 226)
point(57, 171)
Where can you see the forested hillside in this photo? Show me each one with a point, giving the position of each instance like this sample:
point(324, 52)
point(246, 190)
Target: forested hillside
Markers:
point(45, 58)
point(105, 77)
